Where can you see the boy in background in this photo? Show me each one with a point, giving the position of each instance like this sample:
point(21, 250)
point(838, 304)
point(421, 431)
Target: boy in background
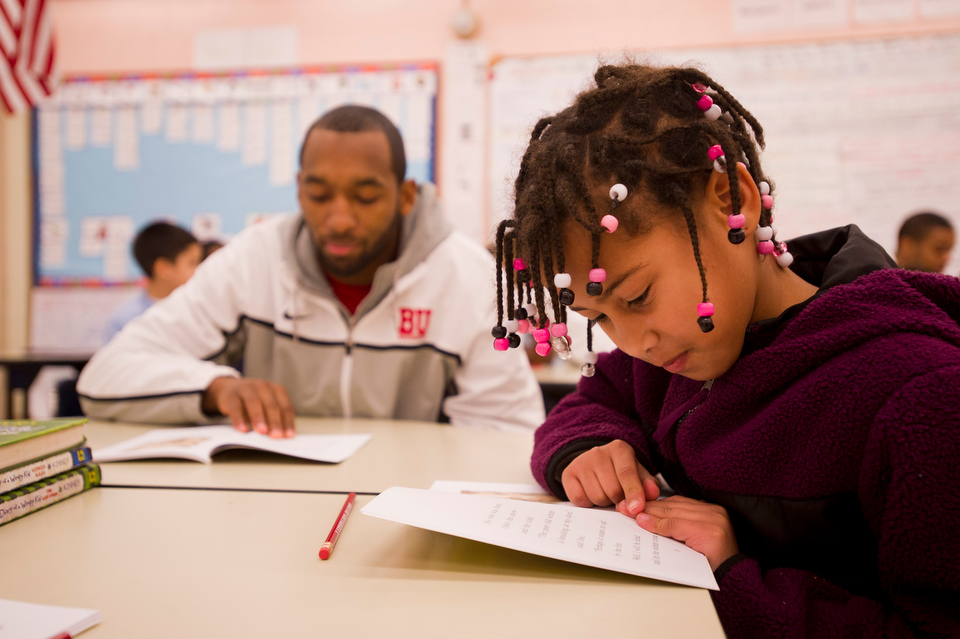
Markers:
point(168, 256)
point(924, 243)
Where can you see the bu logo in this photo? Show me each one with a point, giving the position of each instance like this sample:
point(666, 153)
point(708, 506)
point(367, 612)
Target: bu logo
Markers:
point(414, 322)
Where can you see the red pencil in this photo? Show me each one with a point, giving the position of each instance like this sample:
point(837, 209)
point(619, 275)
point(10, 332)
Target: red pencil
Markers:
point(327, 547)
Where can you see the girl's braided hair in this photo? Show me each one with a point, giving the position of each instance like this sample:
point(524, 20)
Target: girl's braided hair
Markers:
point(640, 126)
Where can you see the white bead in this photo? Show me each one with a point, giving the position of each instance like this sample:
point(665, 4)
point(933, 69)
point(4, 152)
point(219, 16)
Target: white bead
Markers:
point(719, 167)
point(726, 117)
point(764, 233)
point(713, 112)
point(785, 260)
point(531, 309)
point(588, 370)
point(512, 326)
point(590, 357)
point(562, 280)
point(618, 192)
point(764, 188)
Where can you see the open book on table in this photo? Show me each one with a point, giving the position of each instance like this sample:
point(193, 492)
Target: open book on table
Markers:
point(200, 443)
point(525, 520)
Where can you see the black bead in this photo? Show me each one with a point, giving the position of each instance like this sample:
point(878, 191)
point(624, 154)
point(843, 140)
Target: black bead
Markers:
point(594, 289)
point(706, 324)
point(514, 340)
point(736, 236)
point(566, 296)
point(521, 313)
point(523, 275)
point(498, 332)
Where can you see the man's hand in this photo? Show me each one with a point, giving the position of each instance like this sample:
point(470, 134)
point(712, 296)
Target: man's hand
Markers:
point(251, 403)
point(610, 474)
point(704, 527)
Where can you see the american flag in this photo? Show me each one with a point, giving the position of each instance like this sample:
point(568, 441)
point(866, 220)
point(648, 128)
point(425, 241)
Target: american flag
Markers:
point(27, 72)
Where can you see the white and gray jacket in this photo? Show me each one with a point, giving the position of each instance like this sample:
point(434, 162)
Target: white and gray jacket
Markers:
point(419, 346)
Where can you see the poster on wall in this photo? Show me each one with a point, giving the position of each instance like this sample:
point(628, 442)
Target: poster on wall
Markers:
point(210, 151)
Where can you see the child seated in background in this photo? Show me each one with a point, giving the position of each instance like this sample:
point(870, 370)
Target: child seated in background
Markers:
point(803, 404)
point(168, 256)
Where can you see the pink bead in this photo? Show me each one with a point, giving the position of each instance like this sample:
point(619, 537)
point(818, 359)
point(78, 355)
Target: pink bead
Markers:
point(705, 102)
point(714, 152)
point(765, 247)
point(699, 88)
point(705, 309)
point(766, 201)
point(558, 330)
point(501, 344)
point(541, 335)
point(737, 221)
point(610, 223)
point(598, 275)
point(524, 326)
point(518, 264)
point(543, 348)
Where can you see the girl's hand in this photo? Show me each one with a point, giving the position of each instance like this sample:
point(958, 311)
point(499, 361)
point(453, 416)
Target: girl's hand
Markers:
point(704, 527)
point(607, 475)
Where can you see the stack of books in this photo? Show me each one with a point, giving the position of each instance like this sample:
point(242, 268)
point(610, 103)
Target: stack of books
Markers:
point(41, 463)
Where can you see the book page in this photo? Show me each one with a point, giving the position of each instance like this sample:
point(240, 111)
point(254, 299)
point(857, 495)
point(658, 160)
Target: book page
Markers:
point(19, 620)
point(589, 536)
point(199, 443)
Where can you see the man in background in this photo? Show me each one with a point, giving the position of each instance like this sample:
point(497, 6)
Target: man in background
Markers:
point(925, 242)
point(168, 256)
point(365, 304)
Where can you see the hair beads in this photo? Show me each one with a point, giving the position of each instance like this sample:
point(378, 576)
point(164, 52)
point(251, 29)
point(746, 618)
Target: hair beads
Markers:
point(649, 129)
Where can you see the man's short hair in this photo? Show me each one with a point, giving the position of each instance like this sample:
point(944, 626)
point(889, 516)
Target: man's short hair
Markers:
point(919, 225)
point(160, 239)
point(358, 119)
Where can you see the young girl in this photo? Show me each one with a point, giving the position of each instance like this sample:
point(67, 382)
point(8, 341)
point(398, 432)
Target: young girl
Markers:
point(802, 400)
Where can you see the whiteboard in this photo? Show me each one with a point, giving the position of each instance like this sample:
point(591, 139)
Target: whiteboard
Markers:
point(213, 152)
point(862, 132)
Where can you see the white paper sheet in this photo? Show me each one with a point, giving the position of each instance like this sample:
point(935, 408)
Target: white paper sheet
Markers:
point(281, 143)
point(199, 443)
point(126, 149)
point(592, 537)
point(20, 620)
point(202, 131)
point(254, 151)
point(228, 133)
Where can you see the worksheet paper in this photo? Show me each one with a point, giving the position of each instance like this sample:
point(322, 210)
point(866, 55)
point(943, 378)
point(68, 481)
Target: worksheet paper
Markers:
point(589, 536)
point(20, 620)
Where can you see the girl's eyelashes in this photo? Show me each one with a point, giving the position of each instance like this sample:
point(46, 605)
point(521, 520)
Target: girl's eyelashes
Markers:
point(639, 300)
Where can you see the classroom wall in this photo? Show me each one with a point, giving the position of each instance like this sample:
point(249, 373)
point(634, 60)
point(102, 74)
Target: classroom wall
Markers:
point(95, 36)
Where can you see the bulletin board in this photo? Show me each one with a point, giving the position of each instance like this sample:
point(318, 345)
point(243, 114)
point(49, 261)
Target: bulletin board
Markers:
point(213, 152)
point(862, 132)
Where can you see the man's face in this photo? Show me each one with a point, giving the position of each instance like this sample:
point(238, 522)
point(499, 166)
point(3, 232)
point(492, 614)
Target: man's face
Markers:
point(352, 202)
point(930, 254)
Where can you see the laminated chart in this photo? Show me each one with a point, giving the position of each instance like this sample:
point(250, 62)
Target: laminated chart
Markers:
point(213, 152)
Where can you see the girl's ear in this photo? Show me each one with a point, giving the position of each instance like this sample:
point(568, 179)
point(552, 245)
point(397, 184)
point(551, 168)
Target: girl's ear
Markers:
point(718, 205)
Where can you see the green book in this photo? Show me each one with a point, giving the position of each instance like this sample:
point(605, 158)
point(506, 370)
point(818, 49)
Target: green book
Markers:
point(46, 492)
point(22, 440)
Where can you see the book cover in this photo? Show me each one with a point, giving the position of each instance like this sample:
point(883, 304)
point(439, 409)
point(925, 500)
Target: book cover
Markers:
point(200, 443)
point(23, 501)
point(37, 469)
point(22, 440)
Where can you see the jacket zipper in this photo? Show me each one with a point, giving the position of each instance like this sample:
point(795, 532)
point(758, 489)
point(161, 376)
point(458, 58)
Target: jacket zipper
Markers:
point(346, 373)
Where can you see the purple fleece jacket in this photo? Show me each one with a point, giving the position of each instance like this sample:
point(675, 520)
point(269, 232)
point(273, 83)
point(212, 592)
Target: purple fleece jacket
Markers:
point(834, 444)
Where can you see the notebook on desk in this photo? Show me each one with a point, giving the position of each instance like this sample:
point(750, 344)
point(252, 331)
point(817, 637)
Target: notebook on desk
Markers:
point(20, 620)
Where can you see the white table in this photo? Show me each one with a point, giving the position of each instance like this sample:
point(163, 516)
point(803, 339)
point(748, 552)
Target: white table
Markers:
point(401, 453)
point(198, 563)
